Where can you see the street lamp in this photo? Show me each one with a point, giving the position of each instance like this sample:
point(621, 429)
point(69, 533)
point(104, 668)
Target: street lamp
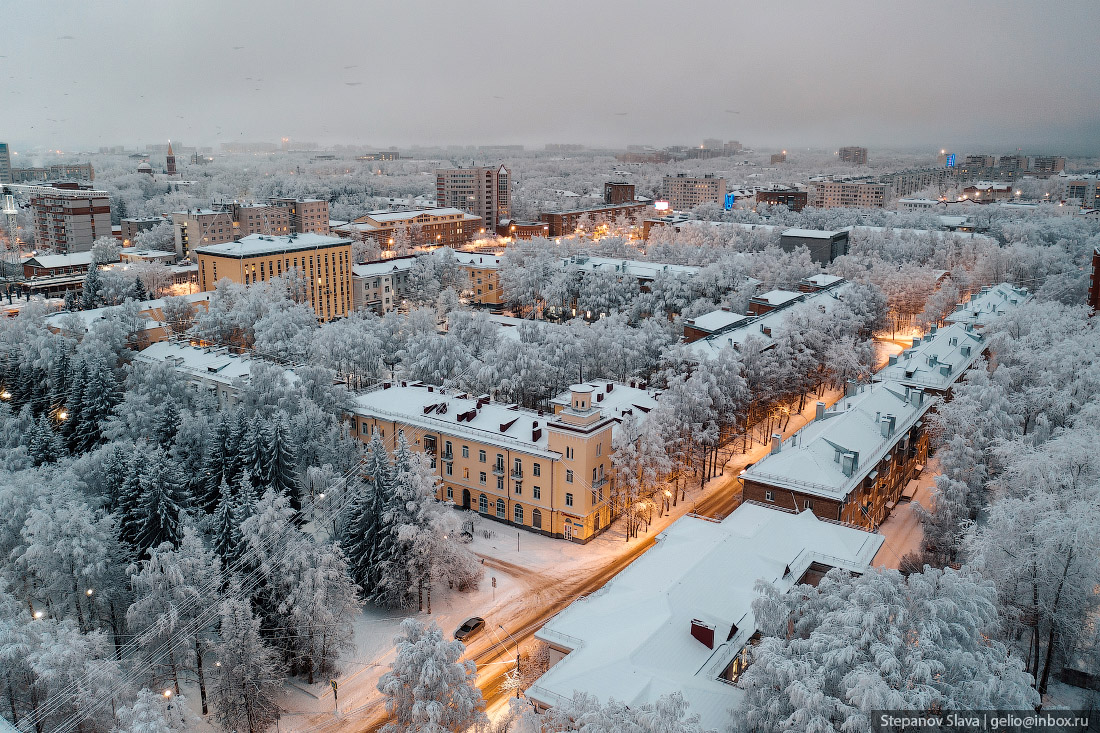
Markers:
point(517, 657)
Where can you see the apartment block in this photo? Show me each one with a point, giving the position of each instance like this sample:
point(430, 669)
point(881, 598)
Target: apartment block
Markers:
point(305, 215)
point(56, 172)
point(325, 263)
point(684, 193)
point(989, 304)
point(564, 223)
point(853, 195)
point(131, 227)
point(439, 227)
point(206, 369)
point(5, 164)
point(905, 183)
point(1085, 190)
point(853, 462)
point(793, 200)
point(482, 285)
point(380, 286)
point(227, 222)
point(618, 192)
point(69, 219)
point(854, 155)
point(484, 192)
point(936, 360)
point(1045, 166)
point(547, 473)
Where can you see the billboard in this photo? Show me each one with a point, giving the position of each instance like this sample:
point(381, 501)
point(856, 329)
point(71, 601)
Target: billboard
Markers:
point(730, 199)
point(950, 160)
point(660, 205)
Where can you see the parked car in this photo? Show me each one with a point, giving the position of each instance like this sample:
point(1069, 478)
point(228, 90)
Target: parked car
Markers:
point(469, 627)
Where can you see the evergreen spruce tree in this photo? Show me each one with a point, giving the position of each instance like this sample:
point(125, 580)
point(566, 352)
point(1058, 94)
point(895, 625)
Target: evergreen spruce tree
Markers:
point(361, 535)
point(131, 505)
point(45, 446)
point(60, 377)
point(164, 505)
point(73, 406)
point(13, 379)
point(117, 468)
point(237, 430)
point(281, 462)
point(225, 530)
point(138, 291)
point(389, 556)
point(40, 391)
point(89, 296)
point(168, 424)
point(253, 455)
point(244, 499)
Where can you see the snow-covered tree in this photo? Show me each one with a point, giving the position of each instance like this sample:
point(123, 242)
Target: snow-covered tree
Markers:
point(427, 689)
point(245, 684)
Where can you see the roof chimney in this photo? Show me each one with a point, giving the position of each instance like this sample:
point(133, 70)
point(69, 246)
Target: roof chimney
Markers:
point(703, 632)
point(820, 414)
point(777, 442)
point(849, 463)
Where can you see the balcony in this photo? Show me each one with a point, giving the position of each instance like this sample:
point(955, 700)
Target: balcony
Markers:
point(447, 456)
point(517, 474)
point(498, 469)
point(600, 482)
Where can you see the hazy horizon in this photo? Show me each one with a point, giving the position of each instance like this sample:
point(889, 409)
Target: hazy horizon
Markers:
point(982, 76)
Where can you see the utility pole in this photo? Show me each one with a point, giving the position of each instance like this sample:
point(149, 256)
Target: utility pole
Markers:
point(335, 699)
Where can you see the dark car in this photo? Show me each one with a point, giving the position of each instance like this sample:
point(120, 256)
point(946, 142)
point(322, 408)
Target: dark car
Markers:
point(470, 627)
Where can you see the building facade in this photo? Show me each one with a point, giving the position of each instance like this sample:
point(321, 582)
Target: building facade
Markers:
point(618, 192)
point(544, 473)
point(513, 229)
point(564, 223)
point(793, 200)
point(324, 263)
point(824, 246)
point(5, 164)
point(305, 216)
point(851, 195)
point(227, 222)
point(484, 192)
point(70, 219)
point(853, 462)
point(853, 154)
point(131, 227)
point(440, 227)
point(1084, 190)
point(684, 193)
point(382, 285)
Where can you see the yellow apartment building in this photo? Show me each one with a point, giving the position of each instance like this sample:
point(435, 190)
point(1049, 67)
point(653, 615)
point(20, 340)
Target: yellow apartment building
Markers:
point(325, 262)
point(546, 473)
point(482, 278)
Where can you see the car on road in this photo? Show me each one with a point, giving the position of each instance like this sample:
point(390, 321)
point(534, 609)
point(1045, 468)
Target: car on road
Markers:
point(469, 627)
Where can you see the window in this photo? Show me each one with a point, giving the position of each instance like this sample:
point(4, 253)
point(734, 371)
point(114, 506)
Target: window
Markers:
point(449, 468)
point(593, 498)
point(447, 448)
point(450, 492)
point(599, 449)
point(518, 489)
point(593, 475)
point(536, 492)
point(568, 452)
point(466, 474)
point(481, 456)
point(517, 514)
point(536, 469)
point(501, 509)
point(568, 477)
point(569, 500)
point(465, 451)
point(500, 483)
point(536, 519)
point(481, 478)
point(769, 495)
point(483, 504)
point(809, 504)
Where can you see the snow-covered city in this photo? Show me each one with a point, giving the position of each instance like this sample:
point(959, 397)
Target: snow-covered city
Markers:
point(403, 403)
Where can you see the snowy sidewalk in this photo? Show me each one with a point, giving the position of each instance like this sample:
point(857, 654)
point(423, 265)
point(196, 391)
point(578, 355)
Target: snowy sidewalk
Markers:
point(902, 530)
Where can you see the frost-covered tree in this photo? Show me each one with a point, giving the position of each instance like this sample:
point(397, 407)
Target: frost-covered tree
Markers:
point(832, 654)
point(245, 683)
point(105, 251)
point(427, 689)
point(152, 712)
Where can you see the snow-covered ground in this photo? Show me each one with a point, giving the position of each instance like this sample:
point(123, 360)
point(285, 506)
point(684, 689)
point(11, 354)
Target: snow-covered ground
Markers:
point(902, 529)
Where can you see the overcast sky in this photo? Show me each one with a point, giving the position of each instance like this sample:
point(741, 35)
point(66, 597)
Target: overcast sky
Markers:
point(990, 75)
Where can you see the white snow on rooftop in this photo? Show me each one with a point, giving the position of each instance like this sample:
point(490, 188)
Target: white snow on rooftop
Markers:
point(779, 297)
point(988, 304)
point(383, 267)
point(811, 233)
point(76, 259)
point(632, 641)
point(637, 268)
point(614, 399)
point(204, 364)
point(259, 244)
point(810, 460)
point(937, 360)
point(716, 320)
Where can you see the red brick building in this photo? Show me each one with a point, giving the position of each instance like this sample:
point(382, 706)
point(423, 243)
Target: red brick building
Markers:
point(563, 223)
point(793, 200)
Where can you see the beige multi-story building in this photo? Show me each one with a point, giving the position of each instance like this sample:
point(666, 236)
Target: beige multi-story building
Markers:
point(445, 227)
point(305, 215)
point(482, 278)
point(684, 193)
point(69, 219)
point(324, 262)
point(133, 226)
point(1085, 190)
point(484, 192)
point(865, 195)
point(544, 473)
point(853, 154)
point(227, 222)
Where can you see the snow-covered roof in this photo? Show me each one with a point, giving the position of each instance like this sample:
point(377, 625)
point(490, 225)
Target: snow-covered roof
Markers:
point(472, 259)
point(92, 315)
point(811, 233)
point(632, 640)
point(936, 361)
point(408, 404)
point(638, 268)
point(763, 325)
point(615, 399)
point(810, 460)
point(383, 267)
point(146, 254)
point(716, 321)
point(988, 304)
point(204, 364)
point(76, 259)
point(387, 217)
point(822, 280)
point(779, 298)
point(255, 245)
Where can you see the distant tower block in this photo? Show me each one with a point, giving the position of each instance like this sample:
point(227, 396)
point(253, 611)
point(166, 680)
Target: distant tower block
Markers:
point(171, 169)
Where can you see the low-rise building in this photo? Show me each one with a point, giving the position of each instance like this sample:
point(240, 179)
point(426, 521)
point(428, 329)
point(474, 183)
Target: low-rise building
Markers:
point(824, 246)
point(792, 199)
point(154, 330)
point(853, 462)
point(133, 226)
point(618, 192)
point(916, 206)
point(523, 229)
point(711, 324)
point(440, 227)
point(773, 300)
point(817, 283)
point(985, 191)
point(324, 262)
point(545, 473)
point(482, 286)
point(937, 360)
point(133, 254)
point(382, 285)
point(214, 370)
point(564, 223)
point(680, 619)
point(989, 304)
